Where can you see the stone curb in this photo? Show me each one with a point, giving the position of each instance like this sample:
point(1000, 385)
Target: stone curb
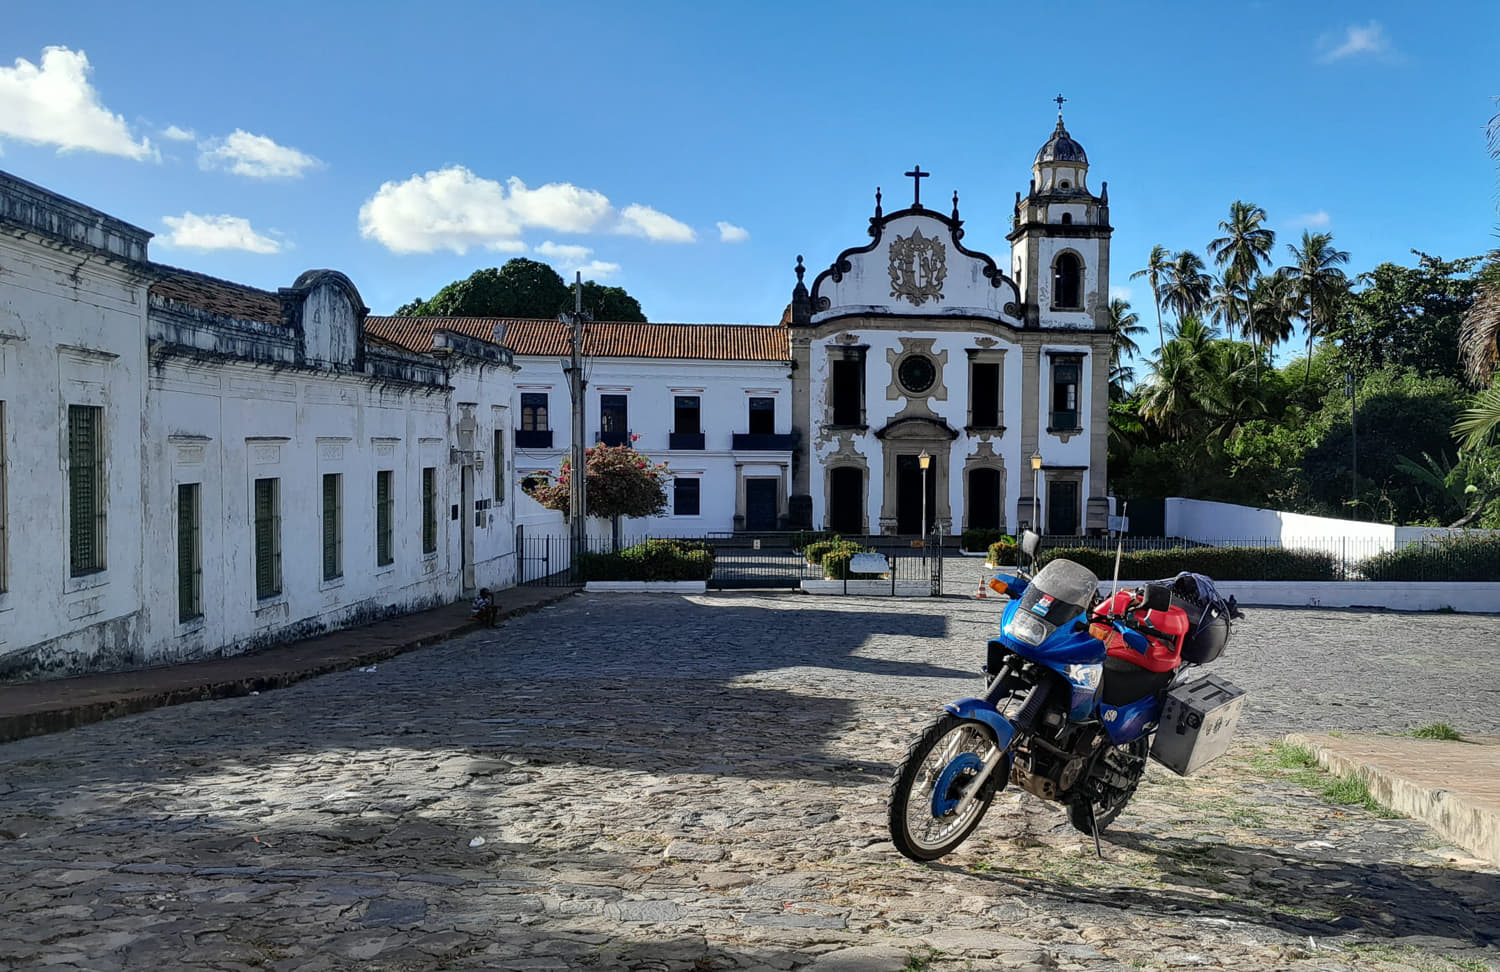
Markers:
point(71, 715)
point(1467, 821)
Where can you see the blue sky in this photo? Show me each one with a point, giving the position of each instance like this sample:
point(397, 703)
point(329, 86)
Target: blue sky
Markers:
point(689, 151)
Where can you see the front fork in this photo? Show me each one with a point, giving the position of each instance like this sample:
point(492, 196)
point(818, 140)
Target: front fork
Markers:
point(986, 712)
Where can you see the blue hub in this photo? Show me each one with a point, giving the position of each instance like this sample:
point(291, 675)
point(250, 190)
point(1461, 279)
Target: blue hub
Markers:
point(948, 789)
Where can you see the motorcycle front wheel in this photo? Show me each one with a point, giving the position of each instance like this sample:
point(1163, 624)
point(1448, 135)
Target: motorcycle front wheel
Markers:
point(931, 782)
point(1113, 785)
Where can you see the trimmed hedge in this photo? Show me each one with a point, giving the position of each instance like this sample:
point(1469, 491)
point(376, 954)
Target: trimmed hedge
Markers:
point(1437, 559)
point(814, 552)
point(653, 560)
point(975, 540)
point(1220, 563)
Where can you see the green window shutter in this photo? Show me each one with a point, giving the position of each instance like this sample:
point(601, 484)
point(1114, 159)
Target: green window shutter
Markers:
point(383, 554)
point(85, 512)
point(331, 526)
point(265, 540)
point(429, 510)
point(188, 591)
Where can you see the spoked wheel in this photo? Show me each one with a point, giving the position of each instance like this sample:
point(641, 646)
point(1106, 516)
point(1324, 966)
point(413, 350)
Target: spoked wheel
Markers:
point(1110, 786)
point(930, 784)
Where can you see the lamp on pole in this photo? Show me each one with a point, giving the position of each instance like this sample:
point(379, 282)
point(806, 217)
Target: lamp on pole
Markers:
point(1036, 492)
point(924, 460)
point(1351, 388)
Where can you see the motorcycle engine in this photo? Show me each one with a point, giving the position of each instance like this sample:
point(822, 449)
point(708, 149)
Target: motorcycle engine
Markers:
point(1042, 767)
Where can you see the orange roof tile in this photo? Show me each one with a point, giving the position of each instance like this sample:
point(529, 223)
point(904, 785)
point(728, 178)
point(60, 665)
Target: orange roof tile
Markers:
point(216, 296)
point(705, 342)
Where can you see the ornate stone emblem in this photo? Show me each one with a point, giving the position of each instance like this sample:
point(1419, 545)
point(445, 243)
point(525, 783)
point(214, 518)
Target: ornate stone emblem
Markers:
point(919, 264)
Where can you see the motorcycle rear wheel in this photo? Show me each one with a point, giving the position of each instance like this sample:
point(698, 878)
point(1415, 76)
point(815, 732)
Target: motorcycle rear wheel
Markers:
point(1109, 799)
point(930, 783)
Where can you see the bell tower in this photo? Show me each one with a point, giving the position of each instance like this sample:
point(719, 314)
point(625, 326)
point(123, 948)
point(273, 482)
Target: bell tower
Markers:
point(1060, 239)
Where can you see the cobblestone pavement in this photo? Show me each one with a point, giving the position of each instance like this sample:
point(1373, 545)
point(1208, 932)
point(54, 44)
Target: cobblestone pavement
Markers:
point(659, 783)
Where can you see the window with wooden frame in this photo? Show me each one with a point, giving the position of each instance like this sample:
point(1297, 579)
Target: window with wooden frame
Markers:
point(385, 509)
point(429, 509)
point(189, 552)
point(267, 537)
point(87, 490)
point(333, 526)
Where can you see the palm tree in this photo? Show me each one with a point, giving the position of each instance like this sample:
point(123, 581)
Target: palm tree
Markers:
point(1319, 284)
point(1479, 339)
point(1245, 245)
point(1124, 325)
point(1155, 272)
point(1183, 388)
point(1186, 287)
point(1275, 301)
point(1229, 304)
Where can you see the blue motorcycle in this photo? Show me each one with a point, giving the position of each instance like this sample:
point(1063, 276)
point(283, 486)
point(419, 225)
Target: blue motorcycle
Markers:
point(1077, 686)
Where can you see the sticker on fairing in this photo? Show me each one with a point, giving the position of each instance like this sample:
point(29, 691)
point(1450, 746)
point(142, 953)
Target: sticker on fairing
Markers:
point(1043, 605)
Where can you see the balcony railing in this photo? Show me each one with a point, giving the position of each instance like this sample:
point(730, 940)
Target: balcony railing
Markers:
point(533, 438)
point(685, 440)
point(763, 441)
point(1063, 422)
point(612, 438)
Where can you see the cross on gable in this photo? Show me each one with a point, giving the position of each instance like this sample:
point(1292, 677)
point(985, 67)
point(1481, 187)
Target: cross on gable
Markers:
point(917, 175)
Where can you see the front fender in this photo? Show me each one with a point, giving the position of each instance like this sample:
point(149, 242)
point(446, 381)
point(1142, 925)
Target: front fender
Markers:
point(981, 711)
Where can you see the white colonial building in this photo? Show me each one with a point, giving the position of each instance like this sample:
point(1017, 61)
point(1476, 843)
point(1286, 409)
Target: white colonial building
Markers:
point(191, 467)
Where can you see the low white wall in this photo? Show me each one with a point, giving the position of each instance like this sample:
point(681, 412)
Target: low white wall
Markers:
point(1470, 598)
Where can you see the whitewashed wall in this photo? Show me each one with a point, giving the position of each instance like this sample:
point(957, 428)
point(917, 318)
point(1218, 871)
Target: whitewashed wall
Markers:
point(650, 386)
point(1226, 523)
point(72, 332)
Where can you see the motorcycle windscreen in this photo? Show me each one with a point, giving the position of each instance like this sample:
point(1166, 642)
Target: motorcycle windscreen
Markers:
point(1060, 592)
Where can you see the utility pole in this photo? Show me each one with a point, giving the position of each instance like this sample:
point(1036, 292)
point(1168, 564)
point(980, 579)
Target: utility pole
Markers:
point(1351, 388)
point(577, 494)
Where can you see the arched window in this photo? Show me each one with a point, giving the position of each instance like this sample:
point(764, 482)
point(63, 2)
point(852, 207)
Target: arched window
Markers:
point(1067, 282)
point(1067, 219)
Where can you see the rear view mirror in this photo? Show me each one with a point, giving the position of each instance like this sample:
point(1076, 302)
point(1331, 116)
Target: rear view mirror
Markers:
point(1158, 597)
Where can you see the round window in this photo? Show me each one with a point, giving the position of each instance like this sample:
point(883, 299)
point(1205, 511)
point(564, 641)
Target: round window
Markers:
point(917, 373)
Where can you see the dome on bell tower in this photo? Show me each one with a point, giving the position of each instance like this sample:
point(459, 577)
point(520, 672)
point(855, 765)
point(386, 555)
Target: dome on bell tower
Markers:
point(1061, 147)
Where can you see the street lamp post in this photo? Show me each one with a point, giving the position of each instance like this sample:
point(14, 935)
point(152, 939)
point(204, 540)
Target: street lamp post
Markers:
point(1351, 389)
point(1036, 492)
point(924, 460)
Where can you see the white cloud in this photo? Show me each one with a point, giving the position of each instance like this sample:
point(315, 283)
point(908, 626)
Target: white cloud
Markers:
point(1318, 220)
point(178, 134)
point(1119, 293)
point(453, 209)
point(55, 105)
point(194, 232)
point(558, 206)
point(1356, 40)
point(569, 257)
point(255, 156)
point(730, 233)
point(638, 220)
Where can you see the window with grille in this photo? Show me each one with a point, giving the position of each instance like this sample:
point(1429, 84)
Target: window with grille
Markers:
point(267, 537)
point(333, 526)
point(429, 510)
point(189, 553)
point(4, 586)
point(498, 461)
point(86, 489)
point(534, 412)
point(1065, 378)
point(384, 515)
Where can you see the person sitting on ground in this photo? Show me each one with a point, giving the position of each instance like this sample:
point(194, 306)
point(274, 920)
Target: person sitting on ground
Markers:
point(484, 608)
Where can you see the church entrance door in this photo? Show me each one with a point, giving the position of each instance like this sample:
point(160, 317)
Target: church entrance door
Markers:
point(760, 504)
point(909, 482)
point(1062, 509)
point(846, 500)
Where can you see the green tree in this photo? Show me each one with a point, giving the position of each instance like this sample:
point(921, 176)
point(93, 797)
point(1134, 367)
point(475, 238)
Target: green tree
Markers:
point(1409, 318)
point(522, 288)
point(1155, 273)
point(1274, 298)
point(1319, 284)
point(1124, 327)
point(1479, 339)
point(608, 303)
point(1245, 245)
point(1181, 397)
point(1185, 286)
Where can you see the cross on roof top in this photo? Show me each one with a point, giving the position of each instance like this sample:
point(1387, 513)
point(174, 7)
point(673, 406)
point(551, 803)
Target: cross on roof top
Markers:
point(917, 175)
point(1059, 99)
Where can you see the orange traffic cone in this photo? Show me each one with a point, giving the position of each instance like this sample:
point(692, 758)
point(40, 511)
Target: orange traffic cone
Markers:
point(983, 588)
